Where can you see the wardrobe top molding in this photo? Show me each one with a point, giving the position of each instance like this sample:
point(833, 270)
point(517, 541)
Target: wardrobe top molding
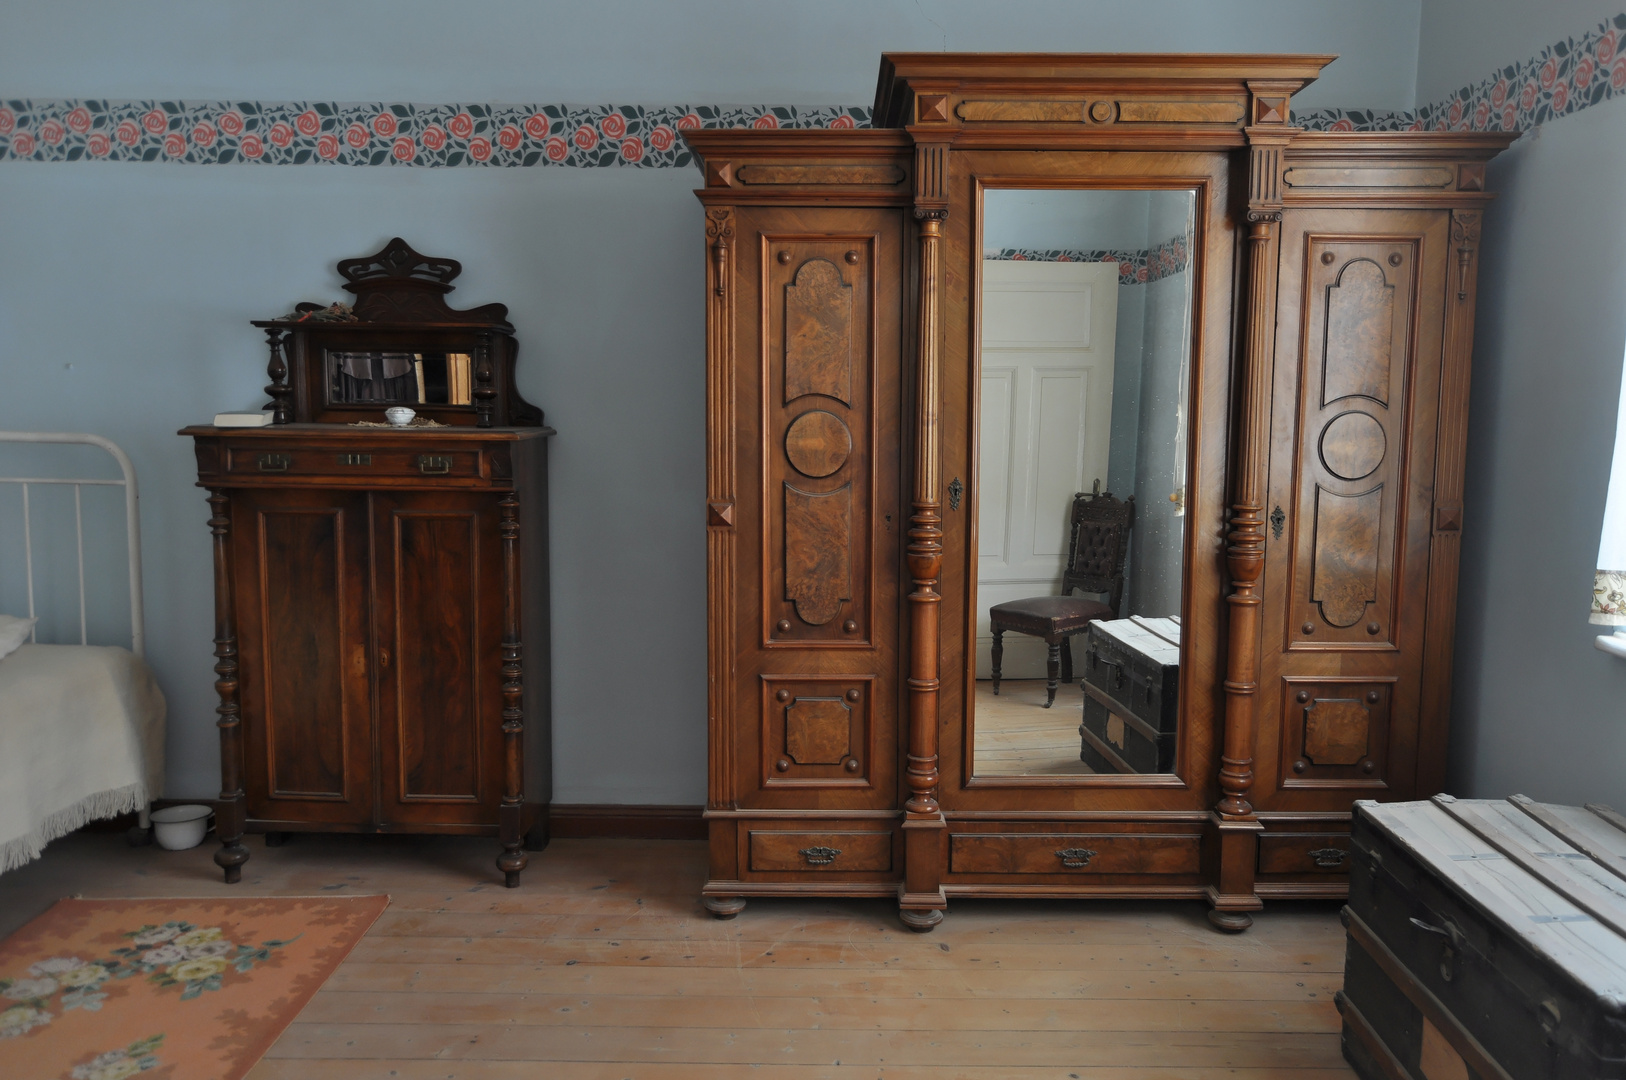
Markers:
point(1173, 92)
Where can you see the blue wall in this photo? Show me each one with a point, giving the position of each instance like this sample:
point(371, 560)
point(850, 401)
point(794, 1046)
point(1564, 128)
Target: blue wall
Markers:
point(1538, 709)
point(144, 277)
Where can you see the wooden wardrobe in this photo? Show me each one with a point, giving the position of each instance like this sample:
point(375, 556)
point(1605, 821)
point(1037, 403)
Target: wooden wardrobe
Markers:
point(1328, 281)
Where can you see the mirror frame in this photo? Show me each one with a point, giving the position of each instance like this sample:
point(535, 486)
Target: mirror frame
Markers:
point(1192, 786)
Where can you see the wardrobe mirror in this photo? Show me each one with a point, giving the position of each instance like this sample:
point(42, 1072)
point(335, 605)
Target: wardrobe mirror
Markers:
point(1086, 322)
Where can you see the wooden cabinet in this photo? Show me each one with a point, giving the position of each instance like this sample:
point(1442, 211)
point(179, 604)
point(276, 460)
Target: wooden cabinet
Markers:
point(381, 622)
point(1299, 474)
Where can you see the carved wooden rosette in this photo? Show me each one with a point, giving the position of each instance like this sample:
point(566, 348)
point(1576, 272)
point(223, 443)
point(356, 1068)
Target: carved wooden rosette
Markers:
point(230, 811)
point(720, 469)
point(511, 812)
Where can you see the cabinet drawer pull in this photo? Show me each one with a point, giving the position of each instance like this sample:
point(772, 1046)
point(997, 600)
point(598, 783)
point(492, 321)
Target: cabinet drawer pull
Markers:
point(1075, 857)
point(1329, 857)
point(434, 463)
point(820, 856)
point(275, 462)
point(355, 459)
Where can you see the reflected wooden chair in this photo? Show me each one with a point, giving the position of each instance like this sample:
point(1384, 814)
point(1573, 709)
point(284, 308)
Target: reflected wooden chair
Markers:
point(1097, 545)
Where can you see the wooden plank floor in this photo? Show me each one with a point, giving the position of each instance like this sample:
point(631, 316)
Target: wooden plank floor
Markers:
point(1018, 736)
point(603, 966)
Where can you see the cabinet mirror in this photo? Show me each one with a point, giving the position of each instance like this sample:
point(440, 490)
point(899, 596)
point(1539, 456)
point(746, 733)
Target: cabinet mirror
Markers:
point(1085, 323)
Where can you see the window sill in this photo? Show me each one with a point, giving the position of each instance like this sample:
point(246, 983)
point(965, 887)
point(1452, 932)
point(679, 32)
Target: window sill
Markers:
point(1613, 643)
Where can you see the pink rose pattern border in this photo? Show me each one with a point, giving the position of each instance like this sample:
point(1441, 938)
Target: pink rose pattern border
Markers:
point(299, 133)
point(1568, 76)
point(1134, 267)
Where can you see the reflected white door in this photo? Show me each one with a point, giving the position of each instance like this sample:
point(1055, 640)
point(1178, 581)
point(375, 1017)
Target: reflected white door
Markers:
point(1048, 330)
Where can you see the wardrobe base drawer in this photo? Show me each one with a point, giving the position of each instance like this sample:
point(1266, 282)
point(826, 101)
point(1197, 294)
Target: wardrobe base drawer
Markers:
point(836, 851)
point(1304, 853)
point(1074, 853)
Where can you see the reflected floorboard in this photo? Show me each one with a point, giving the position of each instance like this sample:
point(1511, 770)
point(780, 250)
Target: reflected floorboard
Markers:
point(1018, 736)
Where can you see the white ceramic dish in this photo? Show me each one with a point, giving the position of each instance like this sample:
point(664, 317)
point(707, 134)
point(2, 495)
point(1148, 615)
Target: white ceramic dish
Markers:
point(177, 828)
point(399, 415)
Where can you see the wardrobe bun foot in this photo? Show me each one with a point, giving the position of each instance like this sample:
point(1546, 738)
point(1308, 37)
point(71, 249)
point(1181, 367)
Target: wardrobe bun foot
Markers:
point(724, 907)
point(920, 920)
point(1232, 922)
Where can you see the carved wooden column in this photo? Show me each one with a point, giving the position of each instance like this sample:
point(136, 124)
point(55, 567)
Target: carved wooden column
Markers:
point(277, 371)
point(231, 809)
point(720, 569)
point(922, 901)
point(511, 812)
point(484, 393)
point(1232, 895)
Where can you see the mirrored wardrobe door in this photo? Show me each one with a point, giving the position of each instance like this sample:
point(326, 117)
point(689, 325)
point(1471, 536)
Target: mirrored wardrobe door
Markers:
point(1085, 334)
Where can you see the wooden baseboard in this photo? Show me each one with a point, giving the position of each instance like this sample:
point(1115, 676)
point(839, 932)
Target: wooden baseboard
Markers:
point(565, 821)
point(626, 822)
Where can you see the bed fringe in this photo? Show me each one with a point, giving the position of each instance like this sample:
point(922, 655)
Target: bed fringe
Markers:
point(104, 804)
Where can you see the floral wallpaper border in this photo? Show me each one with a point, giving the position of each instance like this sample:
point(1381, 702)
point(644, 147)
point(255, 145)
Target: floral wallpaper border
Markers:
point(1134, 267)
point(379, 133)
point(1565, 77)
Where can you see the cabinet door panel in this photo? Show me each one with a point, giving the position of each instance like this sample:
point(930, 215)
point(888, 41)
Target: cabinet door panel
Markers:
point(816, 383)
point(302, 617)
point(438, 584)
point(1354, 417)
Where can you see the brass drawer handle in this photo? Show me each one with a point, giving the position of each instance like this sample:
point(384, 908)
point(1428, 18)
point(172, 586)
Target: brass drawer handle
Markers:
point(1329, 857)
point(355, 459)
point(434, 463)
point(1075, 857)
point(820, 856)
point(275, 462)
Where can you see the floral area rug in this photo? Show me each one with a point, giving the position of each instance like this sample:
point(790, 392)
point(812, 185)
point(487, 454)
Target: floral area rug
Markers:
point(166, 989)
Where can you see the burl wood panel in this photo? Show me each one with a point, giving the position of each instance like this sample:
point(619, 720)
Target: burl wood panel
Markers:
point(783, 851)
point(1360, 329)
point(1357, 361)
point(1337, 731)
point(818, 551)
point(1073, 853)
point(819, 333)
point(818, 433)
point(300, 584)
point(438, 652)
point(1345, 579)
point(818, 731)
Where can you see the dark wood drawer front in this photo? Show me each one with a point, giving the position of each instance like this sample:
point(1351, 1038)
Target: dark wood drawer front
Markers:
point(1304, 853)
point(835, 851)
point(1072, 853)
point(262, 460)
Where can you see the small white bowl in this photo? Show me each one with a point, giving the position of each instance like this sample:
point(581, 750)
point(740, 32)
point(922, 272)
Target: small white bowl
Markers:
point(399, 415)
point(177, 828)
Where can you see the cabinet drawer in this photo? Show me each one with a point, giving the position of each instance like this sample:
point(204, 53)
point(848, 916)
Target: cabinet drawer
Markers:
point(1304, 853)
point(260, 459)
point(1073, 853)
point(835, 851)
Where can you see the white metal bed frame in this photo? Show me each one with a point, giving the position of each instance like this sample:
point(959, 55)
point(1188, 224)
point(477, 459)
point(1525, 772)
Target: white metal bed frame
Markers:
point(132, 525)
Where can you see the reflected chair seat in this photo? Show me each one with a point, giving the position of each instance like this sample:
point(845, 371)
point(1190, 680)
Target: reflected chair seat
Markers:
point(1054, 618)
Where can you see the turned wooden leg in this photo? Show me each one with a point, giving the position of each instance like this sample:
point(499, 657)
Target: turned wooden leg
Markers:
point(999, 655)
point(1067, 660)
point(1052, 667)
point(724, 907)
point(231, 810)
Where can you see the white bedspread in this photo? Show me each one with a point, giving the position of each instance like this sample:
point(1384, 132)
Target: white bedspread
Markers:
point(81, 737)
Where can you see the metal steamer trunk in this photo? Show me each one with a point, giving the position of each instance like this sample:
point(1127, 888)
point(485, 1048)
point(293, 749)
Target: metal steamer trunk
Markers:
point(1131, 695)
